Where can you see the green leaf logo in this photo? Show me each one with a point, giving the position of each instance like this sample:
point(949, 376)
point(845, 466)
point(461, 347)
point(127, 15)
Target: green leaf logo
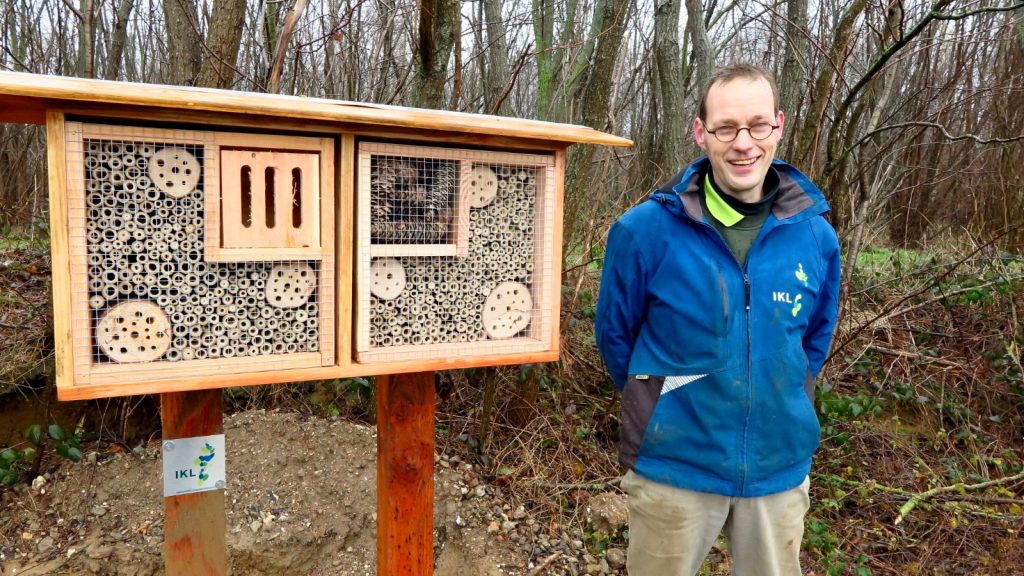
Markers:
point(207, 454)
point(800, 274)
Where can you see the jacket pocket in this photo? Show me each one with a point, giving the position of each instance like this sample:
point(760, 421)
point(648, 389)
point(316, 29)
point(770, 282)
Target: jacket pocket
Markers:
point(639, 397)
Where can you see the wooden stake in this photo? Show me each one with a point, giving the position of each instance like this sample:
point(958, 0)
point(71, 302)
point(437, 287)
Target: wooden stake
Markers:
point(195, 526)
point(405, 469)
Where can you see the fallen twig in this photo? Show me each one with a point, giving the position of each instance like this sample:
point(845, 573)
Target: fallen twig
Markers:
point(547, 562)
point(914, 355)
point(916, 499)
point(952, 492)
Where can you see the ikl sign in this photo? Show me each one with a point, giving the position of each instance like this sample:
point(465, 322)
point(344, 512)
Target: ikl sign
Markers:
point(194, 465)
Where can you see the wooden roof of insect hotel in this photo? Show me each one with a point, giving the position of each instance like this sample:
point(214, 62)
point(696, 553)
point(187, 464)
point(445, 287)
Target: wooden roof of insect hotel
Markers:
point(24, 98)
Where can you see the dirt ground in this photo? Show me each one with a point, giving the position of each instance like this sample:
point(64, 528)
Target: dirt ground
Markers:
point(301, 499)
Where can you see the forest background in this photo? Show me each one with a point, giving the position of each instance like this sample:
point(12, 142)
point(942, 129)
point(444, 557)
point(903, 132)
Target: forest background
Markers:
point(907, 113)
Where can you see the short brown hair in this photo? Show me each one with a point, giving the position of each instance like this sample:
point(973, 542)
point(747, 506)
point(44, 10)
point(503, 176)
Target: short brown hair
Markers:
point(730, 73)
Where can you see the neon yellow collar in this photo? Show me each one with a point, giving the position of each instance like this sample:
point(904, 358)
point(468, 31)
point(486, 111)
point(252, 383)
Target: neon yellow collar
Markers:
point(722, 212)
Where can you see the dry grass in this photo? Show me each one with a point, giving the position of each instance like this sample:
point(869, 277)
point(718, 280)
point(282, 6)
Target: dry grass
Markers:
point(26, 342)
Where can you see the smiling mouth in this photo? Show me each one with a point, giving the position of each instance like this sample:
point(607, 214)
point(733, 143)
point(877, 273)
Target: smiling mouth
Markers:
point(746, 162)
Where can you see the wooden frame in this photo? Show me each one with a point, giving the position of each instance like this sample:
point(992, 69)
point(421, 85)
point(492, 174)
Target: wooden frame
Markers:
point(25, 97)
point(545, 308)
point(77, 347)
point(338, 344)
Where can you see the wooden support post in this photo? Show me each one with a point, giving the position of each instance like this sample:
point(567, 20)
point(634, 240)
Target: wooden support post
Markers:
point(195, 526)
point(405, 474)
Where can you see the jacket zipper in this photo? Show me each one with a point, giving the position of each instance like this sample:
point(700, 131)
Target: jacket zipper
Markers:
point(750, 391)
point(750, 386)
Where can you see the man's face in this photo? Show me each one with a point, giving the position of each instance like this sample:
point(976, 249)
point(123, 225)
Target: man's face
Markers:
point(740, 166)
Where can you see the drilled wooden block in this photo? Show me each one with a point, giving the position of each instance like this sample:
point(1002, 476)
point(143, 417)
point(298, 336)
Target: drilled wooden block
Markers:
point(387, 278)
point(482, 186)
point(289, 285)
point(134, 331)
point(175, 171)
point(507, 310)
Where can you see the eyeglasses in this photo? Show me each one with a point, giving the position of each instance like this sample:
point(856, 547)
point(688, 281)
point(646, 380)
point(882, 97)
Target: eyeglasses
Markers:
point(727, 134)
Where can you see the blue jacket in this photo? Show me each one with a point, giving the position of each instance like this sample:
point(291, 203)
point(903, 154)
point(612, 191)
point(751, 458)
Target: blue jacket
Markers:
point(716, 361)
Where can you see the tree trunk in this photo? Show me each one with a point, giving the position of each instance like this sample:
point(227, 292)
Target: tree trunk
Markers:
point(223, 40)
point(278, 65)
point(86, 40)
point(595, 85)
point(543, 41)
point(457, 71)
point(437, 25)
point(594, 105)
point(119, 37)
point(702, 62)
point(497, 71)
point(810, 132)
point(670, 92)
point(183, 42)
point(793, 77)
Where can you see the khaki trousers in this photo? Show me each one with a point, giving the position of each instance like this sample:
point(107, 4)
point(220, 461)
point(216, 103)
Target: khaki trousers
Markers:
point(672, 530)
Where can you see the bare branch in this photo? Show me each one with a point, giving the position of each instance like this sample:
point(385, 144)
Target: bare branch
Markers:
point(274, 79)
point(74, 10)
point(512, 80)
point(939, 127)
point(934, 14)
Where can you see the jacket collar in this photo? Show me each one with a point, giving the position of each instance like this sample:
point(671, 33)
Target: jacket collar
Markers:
point(798, 196)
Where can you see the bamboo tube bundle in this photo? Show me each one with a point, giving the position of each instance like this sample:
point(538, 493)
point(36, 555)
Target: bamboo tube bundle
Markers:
point(448, 299)
point(145, 243)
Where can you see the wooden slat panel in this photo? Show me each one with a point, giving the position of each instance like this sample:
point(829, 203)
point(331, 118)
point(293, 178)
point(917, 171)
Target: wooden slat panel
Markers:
point(558, 177)
point(78, 252)
point(421, 250)
point(462, 210)
point(103, 131)
point(177, 384)
point(278, 142)
point(345, 249)
point(405, 468)
point(261, 233)
point(128, 374)
point(262, 254)
point(327, 194)
point(408, 352)
point(230, 207)
point(63, 334)
point(363, 253)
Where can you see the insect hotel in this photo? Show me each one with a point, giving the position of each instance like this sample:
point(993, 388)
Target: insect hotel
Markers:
point(205, 238)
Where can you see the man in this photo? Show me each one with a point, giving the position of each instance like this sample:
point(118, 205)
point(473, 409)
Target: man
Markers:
point(717, 305)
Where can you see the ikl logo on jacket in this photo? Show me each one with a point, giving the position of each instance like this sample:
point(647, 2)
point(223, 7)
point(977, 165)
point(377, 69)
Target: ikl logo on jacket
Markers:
point(716, 361)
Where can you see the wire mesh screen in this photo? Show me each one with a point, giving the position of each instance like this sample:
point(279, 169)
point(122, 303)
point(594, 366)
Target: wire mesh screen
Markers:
point(484, 293)
point(151, 297)
point(412, 200)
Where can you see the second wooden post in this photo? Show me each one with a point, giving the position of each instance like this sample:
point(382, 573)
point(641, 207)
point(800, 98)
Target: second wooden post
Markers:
point(405, 474)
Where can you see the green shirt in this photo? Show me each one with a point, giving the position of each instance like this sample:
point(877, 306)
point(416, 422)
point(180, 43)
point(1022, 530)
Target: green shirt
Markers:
point(739, 223)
